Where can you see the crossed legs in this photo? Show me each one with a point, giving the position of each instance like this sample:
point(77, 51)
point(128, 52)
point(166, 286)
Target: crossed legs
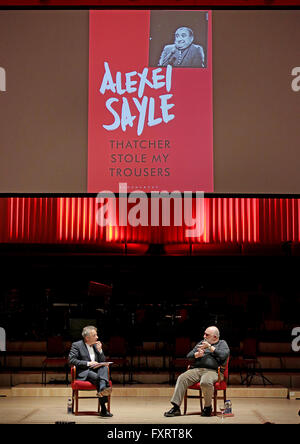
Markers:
point(99, 377)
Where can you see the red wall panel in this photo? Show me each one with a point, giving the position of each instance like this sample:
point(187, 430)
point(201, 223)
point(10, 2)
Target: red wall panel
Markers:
point(72, 220)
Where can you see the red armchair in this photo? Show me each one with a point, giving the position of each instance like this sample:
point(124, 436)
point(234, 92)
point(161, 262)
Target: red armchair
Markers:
point(220, 385)
point(78, 386)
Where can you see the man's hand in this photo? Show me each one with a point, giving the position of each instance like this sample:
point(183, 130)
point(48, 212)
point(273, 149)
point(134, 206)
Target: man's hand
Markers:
point(99, 346)
point(199, 353)
point(93, 363)
point(204, 345)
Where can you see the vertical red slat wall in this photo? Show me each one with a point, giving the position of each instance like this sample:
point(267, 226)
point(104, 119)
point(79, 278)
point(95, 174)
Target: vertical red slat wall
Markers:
point(73, 220)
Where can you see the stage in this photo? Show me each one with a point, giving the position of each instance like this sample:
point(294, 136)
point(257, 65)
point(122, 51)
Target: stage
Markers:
point(145, 404)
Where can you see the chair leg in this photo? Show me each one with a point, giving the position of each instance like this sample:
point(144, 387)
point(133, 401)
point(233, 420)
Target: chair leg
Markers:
point(76, 402)
point(108, 404)
point(185, 403)
point(215, 403)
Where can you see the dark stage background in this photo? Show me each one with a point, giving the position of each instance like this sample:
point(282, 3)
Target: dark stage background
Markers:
point(153, 298)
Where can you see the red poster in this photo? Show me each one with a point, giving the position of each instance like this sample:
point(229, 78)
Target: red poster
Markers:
point(150, 101)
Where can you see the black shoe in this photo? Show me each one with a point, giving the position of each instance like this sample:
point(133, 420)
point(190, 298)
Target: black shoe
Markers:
point(174, 411)
point(206, 411)
point(106, 414)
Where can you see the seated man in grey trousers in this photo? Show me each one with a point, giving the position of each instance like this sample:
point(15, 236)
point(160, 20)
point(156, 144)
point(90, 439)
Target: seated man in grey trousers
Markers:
point(88, 357)
point(208, 355)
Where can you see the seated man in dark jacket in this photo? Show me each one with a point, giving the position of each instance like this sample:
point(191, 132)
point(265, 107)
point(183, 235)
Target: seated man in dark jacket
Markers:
point(208, 355)
point(87, 356)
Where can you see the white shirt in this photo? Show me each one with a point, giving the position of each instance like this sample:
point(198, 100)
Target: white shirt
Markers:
point(91, 352)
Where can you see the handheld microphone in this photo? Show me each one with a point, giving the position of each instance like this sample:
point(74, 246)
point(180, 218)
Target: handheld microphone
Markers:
point(168, 57)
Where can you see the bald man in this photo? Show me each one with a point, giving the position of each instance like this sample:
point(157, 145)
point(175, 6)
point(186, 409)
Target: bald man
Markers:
point(183, 52)
point(208, 355)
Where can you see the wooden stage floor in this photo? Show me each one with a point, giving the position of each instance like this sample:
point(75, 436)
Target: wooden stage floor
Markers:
point(50, 407)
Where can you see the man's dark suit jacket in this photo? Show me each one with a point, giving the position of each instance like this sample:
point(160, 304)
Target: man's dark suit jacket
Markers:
point(79, 356)
point(192, 57)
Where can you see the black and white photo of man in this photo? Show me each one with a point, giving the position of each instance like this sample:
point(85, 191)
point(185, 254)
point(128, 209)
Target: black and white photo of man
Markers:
point(183, 52)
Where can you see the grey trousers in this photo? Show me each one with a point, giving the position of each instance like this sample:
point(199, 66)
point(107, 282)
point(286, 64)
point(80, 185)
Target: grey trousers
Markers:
point(207, 378)
point(98, 377)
